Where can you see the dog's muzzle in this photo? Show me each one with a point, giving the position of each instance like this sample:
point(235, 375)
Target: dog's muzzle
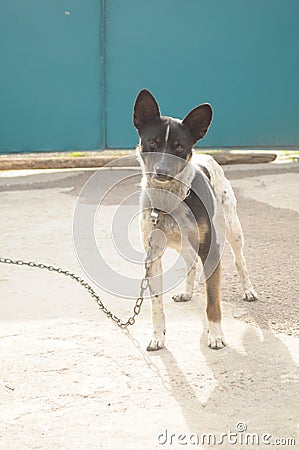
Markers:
point(161, 173)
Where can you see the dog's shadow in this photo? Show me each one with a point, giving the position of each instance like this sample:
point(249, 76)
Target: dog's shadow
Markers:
point(256, 386)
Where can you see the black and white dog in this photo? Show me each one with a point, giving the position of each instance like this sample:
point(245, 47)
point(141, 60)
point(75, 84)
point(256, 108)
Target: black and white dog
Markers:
point(185, 218)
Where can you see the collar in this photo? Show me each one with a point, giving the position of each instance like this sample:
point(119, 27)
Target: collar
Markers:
point(155, 216)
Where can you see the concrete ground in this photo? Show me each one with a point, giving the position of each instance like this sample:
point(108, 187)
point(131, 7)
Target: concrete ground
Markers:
point(71, 379)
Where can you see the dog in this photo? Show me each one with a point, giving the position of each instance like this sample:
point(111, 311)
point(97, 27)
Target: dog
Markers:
point(181, 186)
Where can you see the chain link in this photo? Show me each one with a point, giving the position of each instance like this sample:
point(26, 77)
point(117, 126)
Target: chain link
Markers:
point(88, 287)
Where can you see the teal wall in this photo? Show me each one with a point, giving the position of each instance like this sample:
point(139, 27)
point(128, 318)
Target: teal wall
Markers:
point(242, 56)
point(50, 75)
point(69, 81)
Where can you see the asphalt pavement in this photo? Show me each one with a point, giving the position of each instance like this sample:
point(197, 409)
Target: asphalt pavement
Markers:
point(70, 378)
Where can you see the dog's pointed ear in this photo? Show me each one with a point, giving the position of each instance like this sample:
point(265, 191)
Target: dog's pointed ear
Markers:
point(145, 109)
point(198, 120)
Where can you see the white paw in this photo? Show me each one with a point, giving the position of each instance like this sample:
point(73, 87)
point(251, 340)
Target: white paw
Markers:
point(215, 336)
point(250, 295)
point(156, 343)
point(182, 297)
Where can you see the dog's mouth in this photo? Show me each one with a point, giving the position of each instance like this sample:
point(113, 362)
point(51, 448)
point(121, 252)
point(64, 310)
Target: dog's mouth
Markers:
point(161, 178)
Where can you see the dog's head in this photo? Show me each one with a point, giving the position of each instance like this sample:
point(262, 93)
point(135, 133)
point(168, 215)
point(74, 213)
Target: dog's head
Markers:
point(161, 136)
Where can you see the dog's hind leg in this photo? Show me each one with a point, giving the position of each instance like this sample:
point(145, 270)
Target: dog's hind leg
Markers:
point(155, 274)
point(234, 233)
point(190, 258)
point(234, 236)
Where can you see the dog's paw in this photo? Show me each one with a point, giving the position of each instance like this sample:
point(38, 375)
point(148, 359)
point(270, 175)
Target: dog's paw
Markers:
point(250, 295)
point(182, 297)
point(215, 336)
point(156, 344)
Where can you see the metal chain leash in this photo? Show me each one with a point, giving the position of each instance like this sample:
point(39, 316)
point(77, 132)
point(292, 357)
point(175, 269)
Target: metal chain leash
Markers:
point(87, 286)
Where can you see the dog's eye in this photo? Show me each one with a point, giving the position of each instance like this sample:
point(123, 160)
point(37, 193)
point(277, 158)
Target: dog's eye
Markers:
point(152, 144)
point(180, 148)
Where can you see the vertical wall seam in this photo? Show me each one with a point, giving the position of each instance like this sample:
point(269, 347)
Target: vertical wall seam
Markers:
point(103, 74)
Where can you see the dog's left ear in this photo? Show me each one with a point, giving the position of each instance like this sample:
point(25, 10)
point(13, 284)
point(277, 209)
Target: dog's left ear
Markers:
point(145, 109)
point(198, 120)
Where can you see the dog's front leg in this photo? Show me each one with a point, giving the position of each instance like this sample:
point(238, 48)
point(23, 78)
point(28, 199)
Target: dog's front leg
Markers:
point(212, 272)
point(215, 333)
point(158, 317)
point(155, 275)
